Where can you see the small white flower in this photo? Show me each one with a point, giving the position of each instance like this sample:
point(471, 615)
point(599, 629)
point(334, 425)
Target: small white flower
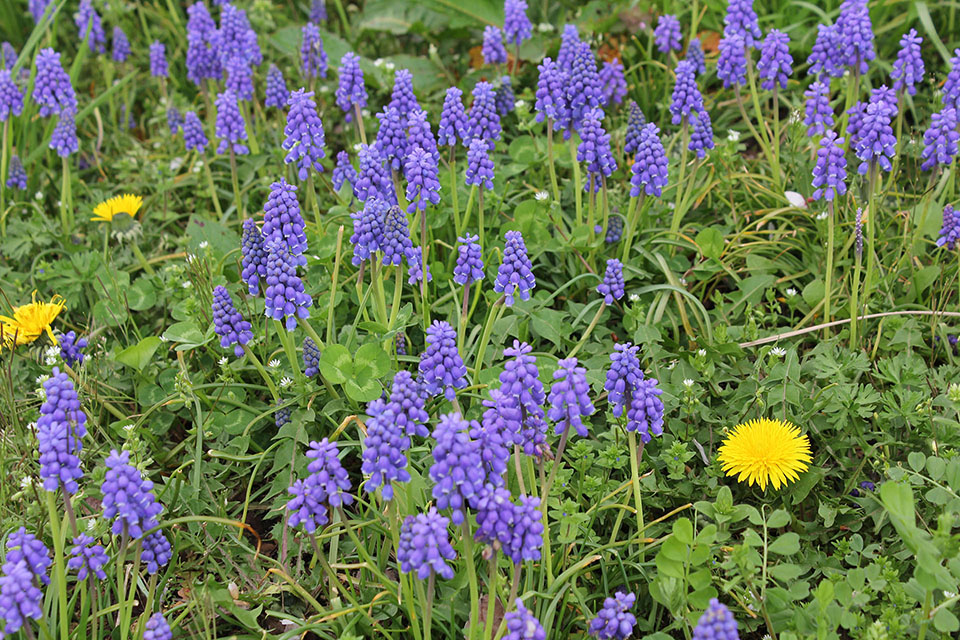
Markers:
point(791, 292)
point(176, 163)
point(949, 594)
point(544, 27)
point(32, 426)
point(357, 146)
point(794, 116)
point(433, 49)
point(323, 88)
point(26, 482)
point(50, 354)
point(733, 135)
point(683, 281)
point(688, 383)
point(91, 524)
point(671, 205)
point(519, 104)
point(822, 216)
point(671, 365)
point(190, 258)
point(187, 284)
point(389, 66)
point(222, 361)
point(38, 195)
point(59, 203)
point(702, 353)
point(795, 199)
point(633, 297)
point(197, 167)
point(379, 62)
point(778, 352)
point(365, 113)
point(273, 364)
point(285, 382)
point(128, 427)
point(540, 196)
point(204, 244)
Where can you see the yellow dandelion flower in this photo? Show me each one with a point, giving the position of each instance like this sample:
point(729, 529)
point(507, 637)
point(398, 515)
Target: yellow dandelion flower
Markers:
point(765, 451)
point(108, 209)
point(29, 321)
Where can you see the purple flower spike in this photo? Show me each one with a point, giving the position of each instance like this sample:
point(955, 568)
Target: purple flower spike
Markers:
point(827, 54)
point(127, 497)
point(503, 97)
point(282, 220)
point(479, 165)
point(415, 267)
point(457, 470)
point(613, 86)
point(391, 140)
point(469, 261)
point(318, 11)
point(157, 628)
point(38, 8)
point(440, 365)
point(614, 229)
point(236, 38)
point(612, 286)
point(327, 476)
point(373, 179)
point(87, 558)
point(521, 378)
point(64, 139)
point(775, 60)
point(830, 172)
point(515, 276)
point(277, 94)
point(686, 95)
point(495, 434)
point(383, 451)
point(24, 546)
point(732, 63)
point(284, 295)
point(17, 176)
point(951, 87)
point(156, 552)
point(423, 182)
point(696, 56)
point(11, 98)
point(940, 140)
point(484, 122)
point(741, 20)
point(614, 620)
point(304, 131)
point(950, 230)
point(20, 598)
point(230, 127)
point(158, 60)
point(90, 27)
point(453, 119)
point(121, 46)
point(203, 60)
point(908, 69)
point(493, 50)
point(420, 135)
point(174, 120)
point(193, 136)
point(819, 115)
point(516, 24)
point(425, 546)
point(583, 88)
point(594, 148)
point(635, 122)
point(368, 229)
point(667, 34)
point(350, 88)
point(569, 41)
point(344, 171)
point(402, 99)
point(875, 142)
point(313, 59)
point(254, 256)
point(856, 35)
point(406, 405)
point(716, 623)
point(395, 240)
point(71, 349)
point(311, 357)
point(570, 397)
point(239, 78)
point(650, 165)
point(628, 389)
point(551, 96)
point(523, 625)
point(228, 323)
point(51, 88)
point(61, 426)
point(8, 54)
point(701, 138)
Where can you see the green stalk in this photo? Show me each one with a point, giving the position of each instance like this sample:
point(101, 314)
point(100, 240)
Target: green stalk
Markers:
point(251, 130)
point(493, 314)
point(829, 274)
point(635, 480)
point(775, 141)
point(491, 597)
point(333, 285)
point(343, 17)
point(591, 206)
point(426, 602)
point(140, 258)
point(480, 211)
point(854, 294)
point(397, 295)
point(633, 215)
point(65, 199)
point(462, 332)
point(213, 189)
point(467, 554)
point(550, 162)
point(4, 157)
point(286, 339)
point(394, 510)
point(60, 574)
point(236, 185)
point(678, 204)
point(466, 213)
point(590, 327)
point(358, 116)
point(576, 181)
point(869, 233)
point(453, 188)
point(606, 205)
point(263, 372)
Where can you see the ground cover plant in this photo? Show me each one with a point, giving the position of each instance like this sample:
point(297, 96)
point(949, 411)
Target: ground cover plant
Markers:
point(479, 320)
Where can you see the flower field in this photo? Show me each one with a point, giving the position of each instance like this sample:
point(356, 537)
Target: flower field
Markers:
point(533, 319)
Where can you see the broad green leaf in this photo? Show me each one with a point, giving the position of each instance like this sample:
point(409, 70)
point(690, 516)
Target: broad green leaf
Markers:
point(786, 545)
point(710, 241)
point(336, 363)
point(373, 357)
point(138, 355)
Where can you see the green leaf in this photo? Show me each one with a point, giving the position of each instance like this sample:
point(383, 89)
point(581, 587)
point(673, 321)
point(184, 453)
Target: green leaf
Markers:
point(683, 530)
point(142, 295)
point(138, 356)
point(779, 518)
point(373, 357)
point(917, 460)
point(336, 363)
point(946, 622)
point(710, 241)
point(186, 333)
point(786, 545)
point(362, 388)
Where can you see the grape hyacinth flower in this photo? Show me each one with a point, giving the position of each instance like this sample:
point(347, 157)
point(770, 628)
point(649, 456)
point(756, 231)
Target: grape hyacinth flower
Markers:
point(613, 86)
point(60, 428)
point(453, 119)
point(420, 135)
point(282, 415)
point(253, 261)
point(469, 266)
point(701, 137)
point(441, 365)
point(875, 142)
point(818, 114)
point(203, 59)
point(527, 531)
point(950, 230)
point(583, 88)
point(318, 11)
point(157, 628)
point(855, 123)
point(402, 98)
point(425, 546)
point(716, 623)
point(24, 546)
point(479, 165)
point(940, 139)
point(612, 287)
point(282, 220)
point(516, 24)
point(368, 229)
point(230, 127)
point(236, 37)
point(193, 136)
point(311, 357)
point(520, 379)
point(523, 625)
point(90, 26)
point(695, 56)
point(391, 140)
point(830, 172)
point(384, 460)
point(8, 54)
point(239, 77)
point(650, 164)
point(20, 598)
point(614, 620)
point(457, 470)
point(38, 8)
point(228, 323)
point(285, 296)
point(277, 93)
point(515, 276)
point(51, 88)
point(158, 60)
point(415, 268)
point(495, 435)
point(11, 98)
point(908, 69)
point(667, 34)
point(594, 148)
point(741, 20)
point(569, 398)
point(551, 95)
point(503, 97)
point(373, 180)
point(174, 120)
point(17, 175)
point(614, 229)
point(401, 345)
point(343, 172)
point(121, 46)
point(775, 63)
point(327, 475)
point(826, 56)
point(629, 390)
point(856, 35)
point(569, 41)
point(635, 122)
point(304, 131)
point(351, 91)
point(406, 405)
point(483, 122)
point(493, 50)
point(127, 497)
point(155, 552)
point(686, 97)
point(732, 63)
point(951, 86)
point(87, 558)
point(313, 58)
point(64, 139)
point(395, 240)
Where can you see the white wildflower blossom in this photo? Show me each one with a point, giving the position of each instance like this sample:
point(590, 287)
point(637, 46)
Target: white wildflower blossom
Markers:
point(688, 383)
point(633, 297)
point(128, 427)
point(26, 482)
point(223, 361)
point(379, 62)
point(545, 27)
point(519, 104)
point(204, 244)
point(702, 353)
point(822, 216)
point(389, 66)
point(38, 195)
point(285, 382)
point(540, 196)
point(791, 292)
point(273, 364)
point(733, 135)
point(50, 354)
point(778, 352)
point(187, 284)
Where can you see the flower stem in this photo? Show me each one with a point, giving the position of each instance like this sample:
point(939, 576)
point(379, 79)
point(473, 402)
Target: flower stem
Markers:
point(633, 216)
point(829, 275)
point(577, 187)
point(236, 185)
point(495, 313)
point(467, 539)
point(58, 566)
point(333, 286)
point(263, 372)
point(358, 116)
point(66, 204)
point(590, 328)
point(4, 157)
point(213, 190)
point(550, 163)
point(466, 213)
point(635, 479)
point(491, 597)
